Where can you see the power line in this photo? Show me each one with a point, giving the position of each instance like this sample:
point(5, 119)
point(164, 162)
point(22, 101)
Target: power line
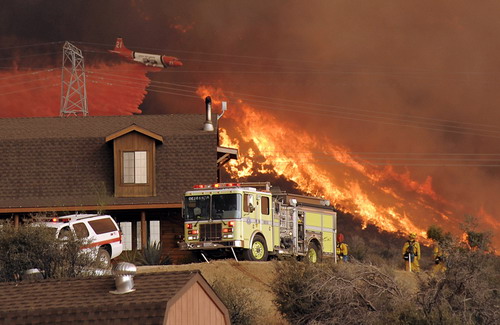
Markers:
point(297, 61)
point(415, 121)
point(30, 45)
point(370, 154)
point(24, 82)
point(29, 55)
point(424, 163)
point(153, 90)
point(26, 74)
point(397, 70)
point(385, 164)
point(272, 100)
point(335, 111)
point(29, 89)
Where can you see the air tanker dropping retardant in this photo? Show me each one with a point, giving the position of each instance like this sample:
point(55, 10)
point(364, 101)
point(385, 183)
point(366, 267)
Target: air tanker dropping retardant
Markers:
point(151, 60)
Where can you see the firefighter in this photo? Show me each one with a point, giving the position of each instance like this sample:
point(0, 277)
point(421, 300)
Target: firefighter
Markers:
point(411, 253)
point(437, 253)
point(341, 249)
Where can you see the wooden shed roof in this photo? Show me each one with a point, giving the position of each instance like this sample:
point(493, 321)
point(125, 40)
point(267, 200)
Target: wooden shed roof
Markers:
point(89, 301)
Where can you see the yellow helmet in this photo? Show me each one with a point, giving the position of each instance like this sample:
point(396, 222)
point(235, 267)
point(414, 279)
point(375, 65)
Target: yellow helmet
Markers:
point(412, 235)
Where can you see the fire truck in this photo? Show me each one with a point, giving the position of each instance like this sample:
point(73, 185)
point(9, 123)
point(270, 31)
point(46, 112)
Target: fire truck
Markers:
point(255, 222)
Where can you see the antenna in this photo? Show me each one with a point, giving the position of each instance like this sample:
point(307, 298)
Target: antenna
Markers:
point(224, 108)
point(73, 89)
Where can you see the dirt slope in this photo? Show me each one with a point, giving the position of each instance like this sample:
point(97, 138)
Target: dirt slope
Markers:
point(256, 276)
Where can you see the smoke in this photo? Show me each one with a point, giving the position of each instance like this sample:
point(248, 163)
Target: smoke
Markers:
point(403, 84)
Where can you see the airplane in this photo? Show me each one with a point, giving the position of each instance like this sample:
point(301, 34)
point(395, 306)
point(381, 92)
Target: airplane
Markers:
point(151, 60)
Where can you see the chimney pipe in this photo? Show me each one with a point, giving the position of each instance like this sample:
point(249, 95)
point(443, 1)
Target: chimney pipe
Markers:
point(208, 126)
point(124, 277)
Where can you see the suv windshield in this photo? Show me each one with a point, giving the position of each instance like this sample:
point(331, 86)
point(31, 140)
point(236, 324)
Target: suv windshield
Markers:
point(216, 206)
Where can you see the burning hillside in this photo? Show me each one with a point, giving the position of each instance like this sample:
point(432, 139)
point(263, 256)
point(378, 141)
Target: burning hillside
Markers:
point(378, 195)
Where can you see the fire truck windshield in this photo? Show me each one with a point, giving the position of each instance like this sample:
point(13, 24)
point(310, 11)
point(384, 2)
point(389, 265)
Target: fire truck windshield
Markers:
point(216, 206)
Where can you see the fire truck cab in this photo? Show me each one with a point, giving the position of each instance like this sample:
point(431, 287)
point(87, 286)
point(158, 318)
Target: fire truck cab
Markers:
point(251, 219)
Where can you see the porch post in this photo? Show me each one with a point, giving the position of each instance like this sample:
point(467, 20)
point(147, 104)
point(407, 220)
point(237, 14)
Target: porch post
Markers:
point(144, 230)
point(16, 221)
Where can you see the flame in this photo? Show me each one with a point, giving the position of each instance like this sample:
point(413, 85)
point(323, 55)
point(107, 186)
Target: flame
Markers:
point(392, 201)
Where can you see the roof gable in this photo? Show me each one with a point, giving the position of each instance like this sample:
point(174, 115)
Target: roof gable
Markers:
point(134, 128)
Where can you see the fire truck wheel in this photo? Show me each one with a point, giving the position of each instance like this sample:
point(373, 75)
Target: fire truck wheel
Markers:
point(258, 250)
point(313, 253)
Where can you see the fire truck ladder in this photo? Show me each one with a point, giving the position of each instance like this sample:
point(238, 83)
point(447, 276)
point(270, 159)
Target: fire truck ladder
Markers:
point(73, 89)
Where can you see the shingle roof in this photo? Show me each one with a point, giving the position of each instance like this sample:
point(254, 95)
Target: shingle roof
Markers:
point(89, 301)
point(66, 161)
point(98, 126)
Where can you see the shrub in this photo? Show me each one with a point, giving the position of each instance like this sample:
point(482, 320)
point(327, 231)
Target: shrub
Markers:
point(476, 239)
point(29, 247)
point(344, 293)
point(358, 248)
point(437, 234)
point(354, 293)
point(468, 289)
point(241, 302)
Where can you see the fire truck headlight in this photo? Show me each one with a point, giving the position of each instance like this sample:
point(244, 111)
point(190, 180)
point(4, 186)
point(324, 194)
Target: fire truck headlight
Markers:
point(192, 237)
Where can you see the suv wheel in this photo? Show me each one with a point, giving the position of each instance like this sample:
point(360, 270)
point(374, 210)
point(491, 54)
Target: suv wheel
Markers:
point(103, 258)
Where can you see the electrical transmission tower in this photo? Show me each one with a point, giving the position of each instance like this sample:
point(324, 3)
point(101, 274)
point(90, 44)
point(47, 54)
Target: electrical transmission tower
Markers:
point(73, 89)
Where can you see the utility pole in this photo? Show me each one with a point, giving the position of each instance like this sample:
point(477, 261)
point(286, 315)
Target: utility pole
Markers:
point(73, 89)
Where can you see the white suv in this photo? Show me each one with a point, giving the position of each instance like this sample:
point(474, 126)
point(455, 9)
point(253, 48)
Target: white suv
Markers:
point(101, 231)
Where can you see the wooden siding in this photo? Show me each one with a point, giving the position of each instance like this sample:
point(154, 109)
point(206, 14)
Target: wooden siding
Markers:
point(134, 141)
point(171, 228)
point(195, 307)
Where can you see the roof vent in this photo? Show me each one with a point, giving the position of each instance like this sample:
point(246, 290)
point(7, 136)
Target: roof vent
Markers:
point(124, 277)
point(208, 126)
point(32, 275)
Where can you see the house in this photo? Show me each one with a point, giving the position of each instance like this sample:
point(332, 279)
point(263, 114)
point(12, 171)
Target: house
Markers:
point(173, 298)
point(135, 168)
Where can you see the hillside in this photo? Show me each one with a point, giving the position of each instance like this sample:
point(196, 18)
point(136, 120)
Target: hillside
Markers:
point(256, 276)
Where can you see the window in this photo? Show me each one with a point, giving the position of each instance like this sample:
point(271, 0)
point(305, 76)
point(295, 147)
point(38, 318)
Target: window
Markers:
point(245, 203)
point(264, 208)
point(126, 228)
point(135, 167)
point(81, 230)
point(102, 226)
point(154, 232)
point(64, 233)
point(248, 205)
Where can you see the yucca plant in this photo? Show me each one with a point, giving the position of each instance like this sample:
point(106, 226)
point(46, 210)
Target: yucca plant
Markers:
point(152, 255)
point(132, 256)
